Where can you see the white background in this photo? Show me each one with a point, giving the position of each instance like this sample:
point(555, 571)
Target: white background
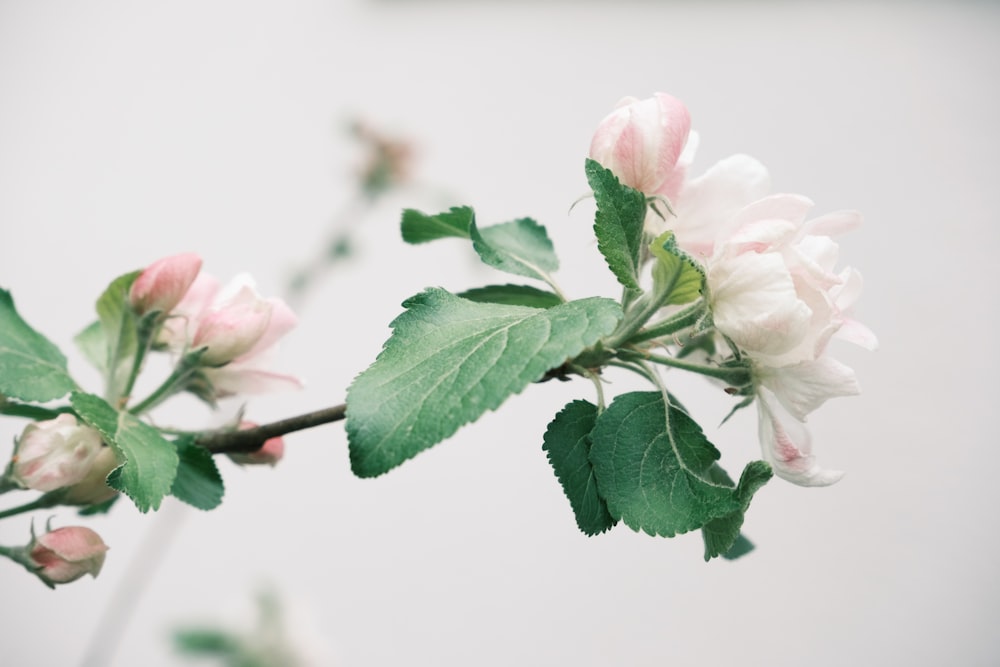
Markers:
point(133, 130)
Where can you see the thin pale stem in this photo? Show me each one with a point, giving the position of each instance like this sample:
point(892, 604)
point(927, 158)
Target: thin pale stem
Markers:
point(42, 502)
point(735, 376)
point(185, 367)
point(675, 323)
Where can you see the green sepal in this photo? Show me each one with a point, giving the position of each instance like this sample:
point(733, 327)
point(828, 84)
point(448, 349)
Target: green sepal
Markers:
point(618, 224)
point(32, 368)
point(652, 463)
point(449, 360)
point(119, 335)
point(149, 460)
point(722, 535)
point(417, 227)
point(198, 482)
point(567, 443)
point(513, 295)
point(99, 508)
point(677, 278)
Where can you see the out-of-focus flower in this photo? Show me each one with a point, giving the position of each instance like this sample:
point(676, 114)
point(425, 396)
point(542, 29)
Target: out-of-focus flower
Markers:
point(54, 454)
point(269, 453)
point(93, 488)
point(641, 142)
point(66, 554)
point(239, 328)
point(164, 283)
point(772, 284)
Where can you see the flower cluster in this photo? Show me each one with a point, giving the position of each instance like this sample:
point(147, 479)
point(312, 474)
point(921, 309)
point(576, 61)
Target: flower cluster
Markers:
point(773, 290)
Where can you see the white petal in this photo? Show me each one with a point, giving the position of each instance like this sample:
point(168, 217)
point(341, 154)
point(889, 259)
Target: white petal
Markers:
point(803, 387)
point(793, 208)
point(786, 445)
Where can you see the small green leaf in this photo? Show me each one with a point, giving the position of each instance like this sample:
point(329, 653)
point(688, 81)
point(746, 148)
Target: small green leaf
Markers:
point(120, 326)
point(99, 508)
point(652, 464)
point(621, 214)
point(449, 360)
point(31, 367)
point(567, 442)
point(722, 535)
point(676, 277)
point(513, 295)
point(94, 345)
point(150, 461)
point(419, 227)
point(521, 247)
point(198, 482)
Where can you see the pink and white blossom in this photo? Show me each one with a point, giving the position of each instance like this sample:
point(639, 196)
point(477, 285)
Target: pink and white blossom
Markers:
point(93, 489)
point(642, 142)
point(66, 554)
point(54, 454)
point(163, 284)
point(787, 446)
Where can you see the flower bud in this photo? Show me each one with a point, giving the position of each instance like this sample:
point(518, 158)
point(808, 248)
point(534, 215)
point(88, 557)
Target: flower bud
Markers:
point(53, 454)
point(164, 283)
point(269, 453)
point(66, 554)
point(233, 328)
point(93, 489)
point(641, 142)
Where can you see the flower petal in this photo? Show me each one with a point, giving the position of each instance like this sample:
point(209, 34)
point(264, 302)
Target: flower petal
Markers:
point(803, 387)
point(786, 445)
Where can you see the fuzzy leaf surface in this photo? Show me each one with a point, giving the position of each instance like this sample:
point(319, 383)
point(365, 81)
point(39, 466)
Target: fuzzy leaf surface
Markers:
point(567, 443)
point(521, 247)
point(722, 535)
point(652, 464)
point(513, 295)
point(32, 368)
point(675, 272)
point(618, 224)
point(198, 482)
point(449, 360)
point(417, 227)
point(150, 461)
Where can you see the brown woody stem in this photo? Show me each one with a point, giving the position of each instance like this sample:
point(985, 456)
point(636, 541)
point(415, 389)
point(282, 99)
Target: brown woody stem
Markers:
point(251, 439)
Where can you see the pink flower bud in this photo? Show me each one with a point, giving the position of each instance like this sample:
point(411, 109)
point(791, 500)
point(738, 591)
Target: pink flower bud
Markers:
point(164, 283)
point(93, 489)
point(66, 554)
point(641, 142)
point(52, 454)
point(269, 453)
point(233, 328)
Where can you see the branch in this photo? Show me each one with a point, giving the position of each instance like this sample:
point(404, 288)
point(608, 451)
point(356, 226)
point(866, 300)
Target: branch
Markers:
point(252, 439)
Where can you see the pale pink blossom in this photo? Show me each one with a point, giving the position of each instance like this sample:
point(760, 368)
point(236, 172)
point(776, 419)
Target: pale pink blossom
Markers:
point(642, 141)
point(238, 327)
point(269, 453)
point(164, 283)
point(54, 454)
point(93, 489)
point(66, 554)
point(772, 286)
point(787, 446)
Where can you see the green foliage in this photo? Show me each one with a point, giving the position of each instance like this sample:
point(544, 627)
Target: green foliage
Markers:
point(652, 463)
point(567, 442)
point(31, 367)
point(198, 482)
point(675, 275)
point(449, 360)
point(521, 247)
point(621, 214)
point(419, 227)
point(120, 333)
point(513, 295)
point(722, 535)
point(99, 508)
point(149, 461)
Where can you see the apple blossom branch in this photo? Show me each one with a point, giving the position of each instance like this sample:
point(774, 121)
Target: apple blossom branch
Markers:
point(251, 439)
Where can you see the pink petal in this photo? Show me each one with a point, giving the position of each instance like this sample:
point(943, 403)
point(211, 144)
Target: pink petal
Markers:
point(786, 445)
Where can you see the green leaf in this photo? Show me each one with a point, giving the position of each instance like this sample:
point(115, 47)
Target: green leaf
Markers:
point(449, 360)
point(521, 247)
point(419, 227)
point(31, 367)
point(567, 442)
point(150, 461)
point(119, 325)
point(198, 482)
point(94, 345)
point(513, 295)
point(621, 214)
point(652, 464)
point(99, 508)
point(722, 535)
point(677, 277)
